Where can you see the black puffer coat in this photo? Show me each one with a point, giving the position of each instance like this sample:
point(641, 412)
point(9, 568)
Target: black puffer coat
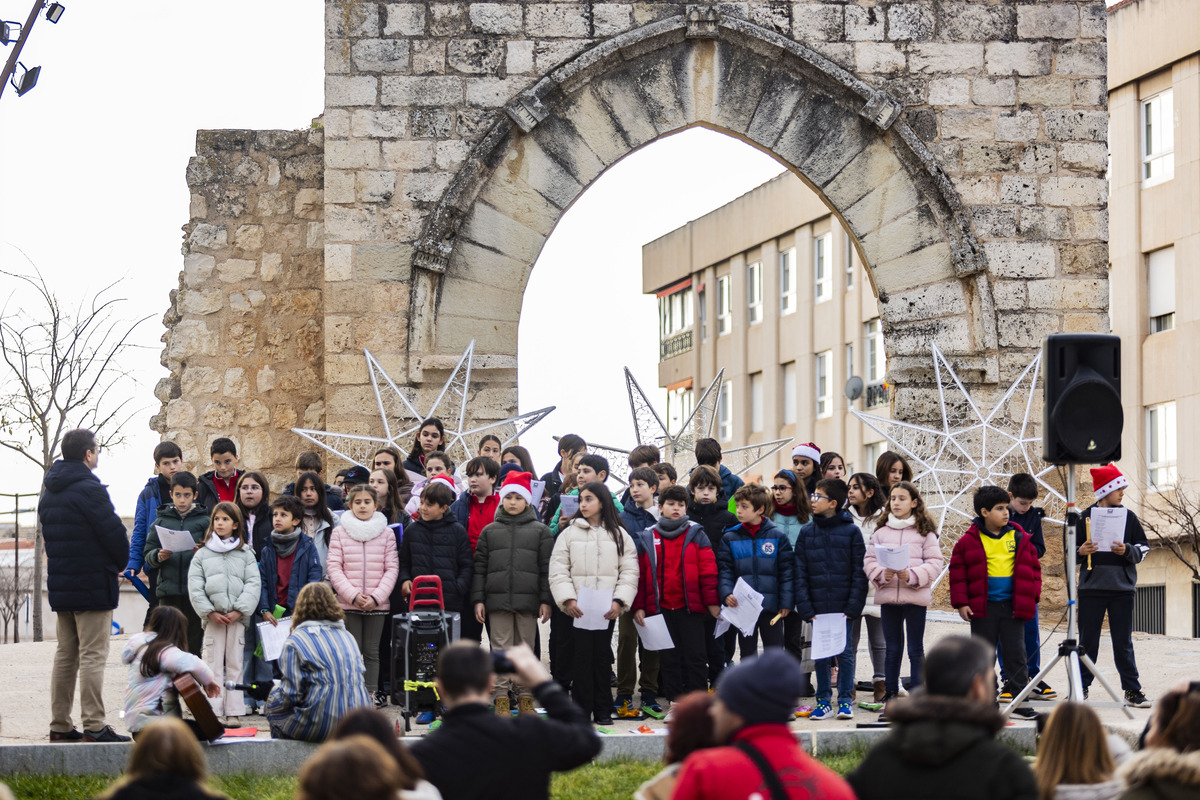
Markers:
point(441, 548)
point(715, 518)
point(86, 544)
point(940, 748)
point(829, 567)
point(512, 564)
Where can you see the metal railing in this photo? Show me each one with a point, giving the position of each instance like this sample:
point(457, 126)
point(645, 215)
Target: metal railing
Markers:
point(878, 394)
point(676, 345)
point(1150, 609)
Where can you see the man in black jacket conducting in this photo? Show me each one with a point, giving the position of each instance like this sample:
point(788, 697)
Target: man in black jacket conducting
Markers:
point(508, 758)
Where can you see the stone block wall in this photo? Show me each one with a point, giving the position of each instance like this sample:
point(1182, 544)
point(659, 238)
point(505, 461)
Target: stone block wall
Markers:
point(246, 327)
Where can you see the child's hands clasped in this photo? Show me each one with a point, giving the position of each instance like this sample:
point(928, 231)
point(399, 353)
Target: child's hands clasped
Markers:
point(365, 602)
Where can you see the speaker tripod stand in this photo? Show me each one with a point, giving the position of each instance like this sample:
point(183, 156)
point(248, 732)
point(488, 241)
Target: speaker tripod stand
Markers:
point(1070, 649)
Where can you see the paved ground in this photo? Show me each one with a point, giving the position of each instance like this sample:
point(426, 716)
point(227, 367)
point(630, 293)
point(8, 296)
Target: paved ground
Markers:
point(25, 701)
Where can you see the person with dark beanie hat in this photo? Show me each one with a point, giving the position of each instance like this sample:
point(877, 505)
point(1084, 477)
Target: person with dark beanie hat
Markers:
point(755, 701)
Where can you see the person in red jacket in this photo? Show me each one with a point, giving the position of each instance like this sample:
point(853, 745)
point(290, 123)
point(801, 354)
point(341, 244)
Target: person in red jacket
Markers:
point(754, 702)
point(996, 581)
point(678, 579)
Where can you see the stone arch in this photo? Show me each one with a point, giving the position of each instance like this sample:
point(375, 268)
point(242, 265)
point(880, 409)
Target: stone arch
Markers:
point(846, 140)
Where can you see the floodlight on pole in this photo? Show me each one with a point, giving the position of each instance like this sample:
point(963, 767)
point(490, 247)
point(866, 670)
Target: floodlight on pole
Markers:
point(9, 31)
point(54, 12)
point(29, 79)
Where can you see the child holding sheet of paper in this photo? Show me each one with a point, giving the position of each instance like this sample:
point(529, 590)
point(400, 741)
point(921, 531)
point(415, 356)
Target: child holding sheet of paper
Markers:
point(1108, 578)
point(678, 580)
point(183, 513)
point(593, 552)
point(902, 562)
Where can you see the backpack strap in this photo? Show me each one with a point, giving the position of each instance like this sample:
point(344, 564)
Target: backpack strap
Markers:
point(770, 776)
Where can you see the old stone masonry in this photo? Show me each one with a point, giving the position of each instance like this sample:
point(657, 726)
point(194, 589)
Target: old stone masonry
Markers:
point(962, 143)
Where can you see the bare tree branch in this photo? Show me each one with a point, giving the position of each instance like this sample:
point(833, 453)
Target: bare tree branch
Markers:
point(1174, 524)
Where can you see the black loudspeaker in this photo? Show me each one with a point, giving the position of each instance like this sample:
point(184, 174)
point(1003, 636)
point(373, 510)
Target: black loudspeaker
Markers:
point(1082, 417)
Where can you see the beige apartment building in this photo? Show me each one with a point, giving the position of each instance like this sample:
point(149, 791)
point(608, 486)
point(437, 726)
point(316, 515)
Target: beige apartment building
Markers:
point(1154, 280)
point(770, 288)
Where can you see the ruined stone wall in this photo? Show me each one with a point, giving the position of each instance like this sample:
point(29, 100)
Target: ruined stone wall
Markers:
point(245, 338)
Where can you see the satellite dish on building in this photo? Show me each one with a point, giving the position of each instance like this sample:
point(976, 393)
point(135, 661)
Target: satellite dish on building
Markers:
point(854, 388)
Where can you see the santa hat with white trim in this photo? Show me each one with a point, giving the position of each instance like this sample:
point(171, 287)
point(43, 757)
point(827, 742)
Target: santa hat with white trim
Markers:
point(517, 483)
point(808, 450)
point(1107, 479)
point(446, 477)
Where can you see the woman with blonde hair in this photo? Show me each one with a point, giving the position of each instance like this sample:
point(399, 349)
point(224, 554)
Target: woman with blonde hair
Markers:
point(166, 762)
point(322, 670)
point(1073, 760)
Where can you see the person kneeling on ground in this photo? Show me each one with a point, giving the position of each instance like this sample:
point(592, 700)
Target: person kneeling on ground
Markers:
point(322, 670)
point(166, 762)
point(943, 740)
point(509, 758)
point(755, 701)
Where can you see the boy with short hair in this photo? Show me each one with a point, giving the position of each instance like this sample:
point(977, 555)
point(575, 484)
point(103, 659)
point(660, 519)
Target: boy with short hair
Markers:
point(168, 460)
point(289, 560)
point(310, 461)
point(183, 513)
point(996, 581)
point(641, 512)
point(568, 447)
point(708, 454)
point(1022, 494)
point(1107, 584)
point(219, 484)
point(704, 486)
point(758, 552)
point(475, 509)
point(830, 580)
point(678, 579)
point(511, 586)
point(667, 476)
point(592, 469)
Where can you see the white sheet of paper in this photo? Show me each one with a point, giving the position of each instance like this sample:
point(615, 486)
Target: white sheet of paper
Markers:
point(537, 488)
point(1108, 526)
point(744, 616)
point(894, 558)
point(829, 635)
point(174, 541)
point(594, 603)
point(654, 633)
point(720, 628)
point(568, 504)
point(273, 637)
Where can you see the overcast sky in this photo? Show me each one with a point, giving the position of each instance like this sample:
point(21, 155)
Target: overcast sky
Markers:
point(92, 189)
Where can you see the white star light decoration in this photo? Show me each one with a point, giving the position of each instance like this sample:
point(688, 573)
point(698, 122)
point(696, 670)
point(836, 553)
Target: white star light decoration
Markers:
point(401, 419)
point(971, 450)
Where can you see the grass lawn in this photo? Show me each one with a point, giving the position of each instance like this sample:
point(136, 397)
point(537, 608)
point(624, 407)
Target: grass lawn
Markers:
point(615, 779)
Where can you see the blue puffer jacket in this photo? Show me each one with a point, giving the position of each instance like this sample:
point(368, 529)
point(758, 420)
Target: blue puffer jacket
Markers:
point(765, 561)
point(306, 569)
point(635, 520)
point(829, 567)
point(143, 517)
point(85, 539)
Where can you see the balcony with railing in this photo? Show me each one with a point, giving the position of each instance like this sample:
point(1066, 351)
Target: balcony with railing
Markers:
point(877, 395)
point(675, 345)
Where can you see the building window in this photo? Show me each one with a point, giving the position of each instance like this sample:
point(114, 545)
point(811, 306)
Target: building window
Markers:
point(787, 281)
point(674, 313)
point(849, 263)
point(1162, 289)
point(680, 403)
point(1150, 609)
point(754, 291)
point(849, 361)
point(724, 307)
point(1158, 138)
point(876, 356)
point(702, 306)
point(824, 384)
point(725, 413)
point(871, 454)
point(789, 393)
point(1160, 445)
point(822, 264)
point(756, 402)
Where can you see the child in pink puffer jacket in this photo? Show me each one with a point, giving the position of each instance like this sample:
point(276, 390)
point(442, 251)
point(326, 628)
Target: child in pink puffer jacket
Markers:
point(904, 595)
point(363, 566)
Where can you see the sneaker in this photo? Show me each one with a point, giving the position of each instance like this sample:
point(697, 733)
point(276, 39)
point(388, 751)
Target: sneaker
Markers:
point(1136, 699)
point(70, 736)
point(381, 699)
point(602, 719)
point(822, 711)
point(650, 706)
point(845, 710)
point(503, 709)
point(621, 700)
point(1085, 693)
point(104, 735)
point(526, 706)
point(1006, 695)
point(426, 718)
point(627, 710)
point(1043, 692)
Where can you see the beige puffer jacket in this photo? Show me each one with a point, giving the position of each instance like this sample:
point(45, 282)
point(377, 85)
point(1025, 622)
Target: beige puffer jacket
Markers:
point(586, 557)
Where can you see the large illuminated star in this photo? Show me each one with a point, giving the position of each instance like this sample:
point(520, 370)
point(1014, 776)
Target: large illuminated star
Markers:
point(401, 419)
point(972, 449)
